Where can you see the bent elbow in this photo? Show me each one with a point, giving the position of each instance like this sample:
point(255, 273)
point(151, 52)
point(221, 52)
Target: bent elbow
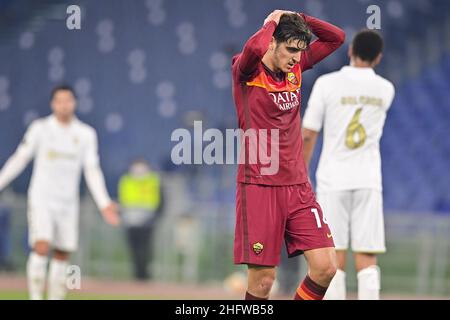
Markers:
point(340, 37)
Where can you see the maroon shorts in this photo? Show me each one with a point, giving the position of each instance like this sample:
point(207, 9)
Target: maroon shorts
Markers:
point(267, 214)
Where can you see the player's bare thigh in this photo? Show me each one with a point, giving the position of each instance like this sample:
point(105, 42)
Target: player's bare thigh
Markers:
point(364, 260)
point(322, 265)
point(341, 259)
point(42, 248)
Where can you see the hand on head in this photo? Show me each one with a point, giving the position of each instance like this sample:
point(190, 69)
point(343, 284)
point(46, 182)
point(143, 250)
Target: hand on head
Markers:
point(276, 15)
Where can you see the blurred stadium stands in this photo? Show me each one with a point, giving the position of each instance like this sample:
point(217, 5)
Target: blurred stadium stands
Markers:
point(144, 68)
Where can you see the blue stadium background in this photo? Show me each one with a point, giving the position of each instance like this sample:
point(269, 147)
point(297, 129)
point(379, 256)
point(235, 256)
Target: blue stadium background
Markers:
point(141, 68)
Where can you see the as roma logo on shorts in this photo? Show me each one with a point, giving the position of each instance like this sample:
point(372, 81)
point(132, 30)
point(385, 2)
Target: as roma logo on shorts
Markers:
point(258, 247)
point(292, 78)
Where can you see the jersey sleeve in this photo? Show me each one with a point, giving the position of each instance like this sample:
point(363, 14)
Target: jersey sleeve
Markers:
point(22, 156)
point(390, 96)
point(93, 173)
point(254, 50)
point(329, 39)
point(315, 111)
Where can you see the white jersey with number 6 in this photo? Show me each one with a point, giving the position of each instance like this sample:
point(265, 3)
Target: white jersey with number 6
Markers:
point(350, 105)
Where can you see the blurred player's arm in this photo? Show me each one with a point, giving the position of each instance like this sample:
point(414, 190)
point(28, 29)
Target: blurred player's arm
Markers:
point(96, 182)
point(309, 143)
point(329, 39)
point(313, 120)
point(256, 47)
point(21, 157)
point(391, 95)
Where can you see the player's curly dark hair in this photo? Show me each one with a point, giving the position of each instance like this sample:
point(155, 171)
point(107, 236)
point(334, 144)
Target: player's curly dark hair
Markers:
point(367, 45)
point(292, 27)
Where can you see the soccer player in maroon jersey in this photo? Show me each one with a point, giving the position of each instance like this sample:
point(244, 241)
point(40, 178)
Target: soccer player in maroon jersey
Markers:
point(270, 207)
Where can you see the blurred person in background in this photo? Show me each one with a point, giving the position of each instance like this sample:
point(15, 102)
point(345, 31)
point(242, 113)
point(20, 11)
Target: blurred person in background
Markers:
point(61, 146)
point(141, 201)
point(351, 106)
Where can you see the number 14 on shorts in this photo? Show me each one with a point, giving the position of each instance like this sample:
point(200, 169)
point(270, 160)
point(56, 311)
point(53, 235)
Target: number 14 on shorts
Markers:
point(317, 216)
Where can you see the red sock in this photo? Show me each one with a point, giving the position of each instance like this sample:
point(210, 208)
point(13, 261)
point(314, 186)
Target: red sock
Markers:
point(309, 290)
point(249, 296)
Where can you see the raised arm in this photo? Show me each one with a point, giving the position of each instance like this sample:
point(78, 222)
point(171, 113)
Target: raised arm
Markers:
point(255, 49)
point(329, 39)
point(21, 157)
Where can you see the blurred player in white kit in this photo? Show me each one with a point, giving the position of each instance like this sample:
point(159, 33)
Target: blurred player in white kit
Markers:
point(351, 106)
point(61, 146)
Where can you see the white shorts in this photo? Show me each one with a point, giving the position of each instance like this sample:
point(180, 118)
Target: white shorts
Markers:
point(55, 222)
point(355, 215)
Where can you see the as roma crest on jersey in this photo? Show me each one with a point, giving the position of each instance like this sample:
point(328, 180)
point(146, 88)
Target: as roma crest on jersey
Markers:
point(258, 247)
point(292, 78)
